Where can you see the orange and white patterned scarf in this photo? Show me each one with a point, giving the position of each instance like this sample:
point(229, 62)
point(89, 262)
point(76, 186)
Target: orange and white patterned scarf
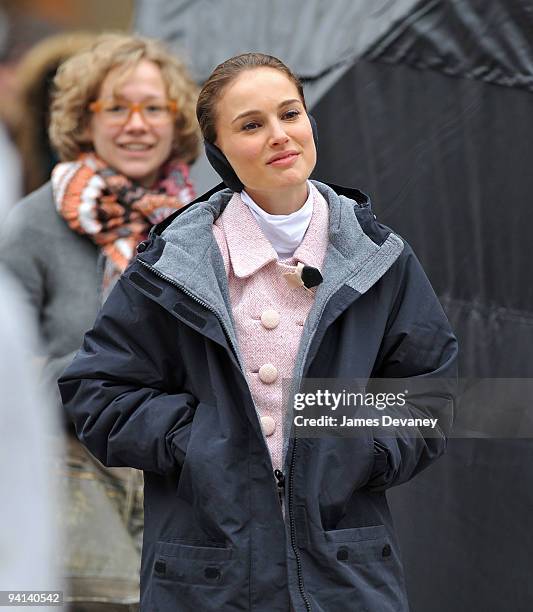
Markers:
point(114, 211)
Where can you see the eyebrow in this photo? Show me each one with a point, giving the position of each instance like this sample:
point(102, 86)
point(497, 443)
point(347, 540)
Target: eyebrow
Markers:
point(255, 112)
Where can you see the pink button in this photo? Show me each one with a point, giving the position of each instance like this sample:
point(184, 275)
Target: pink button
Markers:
point(270, 318)
point(268, 424)
point(268, 373)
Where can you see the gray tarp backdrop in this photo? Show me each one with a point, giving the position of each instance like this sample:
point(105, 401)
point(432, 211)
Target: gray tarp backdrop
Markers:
point(427, 106)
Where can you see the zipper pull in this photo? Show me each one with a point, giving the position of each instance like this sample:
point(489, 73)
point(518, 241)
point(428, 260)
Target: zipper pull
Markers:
point(280, 477)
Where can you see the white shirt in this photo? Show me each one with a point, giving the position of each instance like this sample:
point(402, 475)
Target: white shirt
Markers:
point(284, 232)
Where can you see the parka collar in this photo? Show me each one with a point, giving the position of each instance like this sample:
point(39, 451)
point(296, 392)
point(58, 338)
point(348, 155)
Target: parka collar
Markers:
point(223, 196)
point(354, 256)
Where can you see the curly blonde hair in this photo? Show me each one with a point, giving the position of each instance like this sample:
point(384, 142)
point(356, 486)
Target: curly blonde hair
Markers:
point(78, 81)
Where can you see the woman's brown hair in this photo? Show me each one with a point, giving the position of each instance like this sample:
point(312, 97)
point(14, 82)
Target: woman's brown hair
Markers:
point(222, 76)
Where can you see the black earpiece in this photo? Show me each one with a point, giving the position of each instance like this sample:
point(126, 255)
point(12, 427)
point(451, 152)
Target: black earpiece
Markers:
point(221, 165)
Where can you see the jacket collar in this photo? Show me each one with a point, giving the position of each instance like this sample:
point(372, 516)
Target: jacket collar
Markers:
point(355, 256)
point(220, 192)
point(187, 254)
point(250, 250)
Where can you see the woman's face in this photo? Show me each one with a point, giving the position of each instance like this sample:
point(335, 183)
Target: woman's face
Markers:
point(264, 131)
point(136, 149)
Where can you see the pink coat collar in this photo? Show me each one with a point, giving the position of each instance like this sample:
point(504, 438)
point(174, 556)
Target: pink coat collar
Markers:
point(248, 248)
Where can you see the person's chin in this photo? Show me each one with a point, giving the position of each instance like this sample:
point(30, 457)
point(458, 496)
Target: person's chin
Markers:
point(292, 179)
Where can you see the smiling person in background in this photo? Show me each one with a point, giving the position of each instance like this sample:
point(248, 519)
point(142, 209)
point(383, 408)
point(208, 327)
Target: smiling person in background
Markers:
point(123, 124)
point(126, 124)
point(275, 277)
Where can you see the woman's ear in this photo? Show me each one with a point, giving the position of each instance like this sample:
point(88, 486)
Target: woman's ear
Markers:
point(220, 163)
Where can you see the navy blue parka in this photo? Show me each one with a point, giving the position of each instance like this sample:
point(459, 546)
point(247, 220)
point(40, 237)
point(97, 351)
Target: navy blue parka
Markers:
point(158, 385)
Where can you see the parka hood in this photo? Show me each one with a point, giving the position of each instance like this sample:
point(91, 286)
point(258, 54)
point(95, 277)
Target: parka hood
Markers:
point(220, 195)
point(183, 247)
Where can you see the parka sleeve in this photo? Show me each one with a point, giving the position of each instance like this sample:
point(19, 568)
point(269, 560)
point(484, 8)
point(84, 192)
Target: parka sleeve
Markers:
point(121, 391)
point(420, 348)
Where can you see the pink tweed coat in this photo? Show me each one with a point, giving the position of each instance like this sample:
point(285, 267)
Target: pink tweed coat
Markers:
point(268, 312)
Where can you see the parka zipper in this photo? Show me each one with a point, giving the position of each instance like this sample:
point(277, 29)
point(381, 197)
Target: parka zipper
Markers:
point(290, 485)
point(292, 524)
point(280, 477)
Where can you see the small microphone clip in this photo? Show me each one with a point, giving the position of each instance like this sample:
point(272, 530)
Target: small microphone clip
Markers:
point(311, 277)
point(303, 276)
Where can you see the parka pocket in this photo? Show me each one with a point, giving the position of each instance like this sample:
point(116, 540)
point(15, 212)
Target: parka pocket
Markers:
point(365, 570)
point(359, 544)
point(189, 577)
point(192, 564)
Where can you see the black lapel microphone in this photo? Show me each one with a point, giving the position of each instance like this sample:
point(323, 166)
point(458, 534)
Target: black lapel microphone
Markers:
point(311, 277)
point(220, 162)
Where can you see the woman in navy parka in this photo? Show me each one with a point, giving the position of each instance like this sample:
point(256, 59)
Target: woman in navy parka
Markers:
point(272, 277)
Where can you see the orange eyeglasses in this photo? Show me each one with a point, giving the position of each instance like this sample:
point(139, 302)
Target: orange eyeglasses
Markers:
point(119, 112)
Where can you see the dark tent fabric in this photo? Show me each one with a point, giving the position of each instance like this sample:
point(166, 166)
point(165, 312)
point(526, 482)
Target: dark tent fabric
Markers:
point(446, 160)
point(427, 107)
point(489, 41)
point(446, 163)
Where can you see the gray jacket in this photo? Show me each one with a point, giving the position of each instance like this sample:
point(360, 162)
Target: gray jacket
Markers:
point(57, 269)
